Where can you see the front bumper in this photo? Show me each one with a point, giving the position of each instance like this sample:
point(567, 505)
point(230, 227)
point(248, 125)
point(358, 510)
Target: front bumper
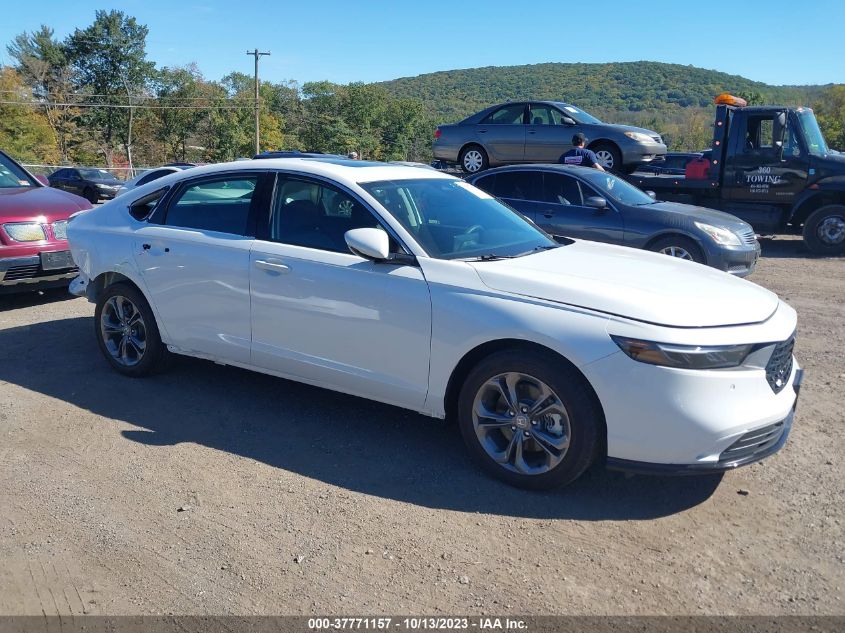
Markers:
point(751, 447)
point(24, 272)
point(641, 153)
point(737, 261)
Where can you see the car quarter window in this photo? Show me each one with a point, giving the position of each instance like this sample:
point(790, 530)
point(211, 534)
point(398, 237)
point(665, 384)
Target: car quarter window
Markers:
point(220, 205)
point(561, 189)
point(507, 115)
point(519, 185)
point(316, 215)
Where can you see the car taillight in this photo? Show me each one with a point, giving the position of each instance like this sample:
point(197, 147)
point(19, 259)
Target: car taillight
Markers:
point(437, 133)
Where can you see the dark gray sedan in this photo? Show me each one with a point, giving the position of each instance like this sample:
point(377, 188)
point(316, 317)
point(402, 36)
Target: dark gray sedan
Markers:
point(585, 203)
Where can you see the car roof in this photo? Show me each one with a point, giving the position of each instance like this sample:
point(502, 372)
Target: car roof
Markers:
point(343, 170)
point(570, 169)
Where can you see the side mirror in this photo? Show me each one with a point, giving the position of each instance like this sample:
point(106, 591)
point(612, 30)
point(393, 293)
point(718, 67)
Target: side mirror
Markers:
point(567, 121)
point(42, 179)
point(596, 202)
point(369, 243)
point(651, 195)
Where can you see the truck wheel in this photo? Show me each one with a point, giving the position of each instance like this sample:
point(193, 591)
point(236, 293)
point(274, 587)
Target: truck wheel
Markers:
point(678, 246)
point(824, 230)
point(473, 159)
point(609, 156)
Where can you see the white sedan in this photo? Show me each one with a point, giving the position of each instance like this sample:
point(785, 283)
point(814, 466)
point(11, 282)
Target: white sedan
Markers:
point(413, 288)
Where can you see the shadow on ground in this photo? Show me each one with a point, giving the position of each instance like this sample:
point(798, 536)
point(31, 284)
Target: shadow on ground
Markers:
point(341, 440)
point(29, 298)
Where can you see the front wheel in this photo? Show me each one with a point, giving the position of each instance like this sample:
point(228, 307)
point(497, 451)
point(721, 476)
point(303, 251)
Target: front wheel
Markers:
point(824, 230)
point(127, 333)
point(678, 246)
point(529, 420)
point(609, 156)
point(473, 159)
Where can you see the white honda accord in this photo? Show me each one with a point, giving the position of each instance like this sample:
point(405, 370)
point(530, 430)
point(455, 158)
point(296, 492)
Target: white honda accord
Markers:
point(419, 290)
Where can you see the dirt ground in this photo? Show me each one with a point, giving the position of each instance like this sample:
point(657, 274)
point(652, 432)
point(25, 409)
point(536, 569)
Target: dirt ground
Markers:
point(211, 490)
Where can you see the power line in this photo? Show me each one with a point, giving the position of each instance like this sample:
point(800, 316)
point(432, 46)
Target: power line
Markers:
point(37, 104)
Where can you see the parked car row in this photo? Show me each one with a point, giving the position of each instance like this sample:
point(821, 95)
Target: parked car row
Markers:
point(415, 288)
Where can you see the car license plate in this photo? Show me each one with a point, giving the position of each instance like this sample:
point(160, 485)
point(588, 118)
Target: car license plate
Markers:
point(56, 260)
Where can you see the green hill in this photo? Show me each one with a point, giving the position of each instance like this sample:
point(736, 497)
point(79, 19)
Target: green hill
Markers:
point(663, 90)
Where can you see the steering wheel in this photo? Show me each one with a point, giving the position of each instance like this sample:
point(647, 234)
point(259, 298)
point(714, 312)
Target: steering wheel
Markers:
point(466, 238)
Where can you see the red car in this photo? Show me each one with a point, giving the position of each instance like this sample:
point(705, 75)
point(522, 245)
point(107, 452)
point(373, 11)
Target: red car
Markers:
point(33, 230)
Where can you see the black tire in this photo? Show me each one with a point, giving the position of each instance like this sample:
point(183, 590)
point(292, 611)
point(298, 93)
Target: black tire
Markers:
point(154, 353)
point(584, 417)
point(612, 154)
point(824, 230)
point(90, 195)
point(470, 152)
point(678, 242)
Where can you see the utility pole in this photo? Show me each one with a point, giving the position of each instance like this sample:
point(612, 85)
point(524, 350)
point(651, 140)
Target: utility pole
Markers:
point(257, 55)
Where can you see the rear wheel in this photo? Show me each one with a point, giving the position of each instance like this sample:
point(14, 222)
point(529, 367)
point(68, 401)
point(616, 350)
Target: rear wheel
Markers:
point(529, 419)
point(127, 333)
point(824, 230)
point(678, 246)
point(473, 159)
point(609, 156)
point(90, 195)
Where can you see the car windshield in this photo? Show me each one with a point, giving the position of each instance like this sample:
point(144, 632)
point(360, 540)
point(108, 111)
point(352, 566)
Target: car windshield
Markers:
point(12, 176)
point(96, 174)
point(616, 189)
point(452, 219)
point(578, 114)
point(812, 133)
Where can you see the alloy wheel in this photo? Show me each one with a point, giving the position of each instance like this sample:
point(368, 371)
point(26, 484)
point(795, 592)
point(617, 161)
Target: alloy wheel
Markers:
point(521, 423)
point(124, 331)
point(677, 251)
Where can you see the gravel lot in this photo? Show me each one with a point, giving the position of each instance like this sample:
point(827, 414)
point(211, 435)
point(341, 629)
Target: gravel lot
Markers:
point(211, 490)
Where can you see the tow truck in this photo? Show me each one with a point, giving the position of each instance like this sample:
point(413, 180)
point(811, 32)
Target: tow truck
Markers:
point(770, 166)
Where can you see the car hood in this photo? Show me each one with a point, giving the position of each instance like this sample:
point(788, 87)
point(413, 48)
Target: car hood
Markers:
point(25, 204)
point(700, 214)
point(631, 283)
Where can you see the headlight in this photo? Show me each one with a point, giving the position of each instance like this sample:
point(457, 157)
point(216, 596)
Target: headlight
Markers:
point(720, 235)
point(683, 356)
point(60, 230)
point(102, 186)
point(25, 232)
point(639, 137)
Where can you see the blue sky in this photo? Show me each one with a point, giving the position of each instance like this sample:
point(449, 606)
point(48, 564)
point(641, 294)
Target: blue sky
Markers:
point(774, 41)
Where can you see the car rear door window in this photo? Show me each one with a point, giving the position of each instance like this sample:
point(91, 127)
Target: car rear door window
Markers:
point(507, 115)
point(519, 185)
point(220, 205)
point(561, 189)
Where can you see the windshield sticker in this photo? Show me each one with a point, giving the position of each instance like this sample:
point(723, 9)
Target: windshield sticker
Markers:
point(570, 109)
point(474, 190)
point(611, 182)
point(23, 183)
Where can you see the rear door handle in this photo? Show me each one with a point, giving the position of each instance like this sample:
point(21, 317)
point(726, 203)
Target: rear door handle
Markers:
point(548, 214)
point(275, 267)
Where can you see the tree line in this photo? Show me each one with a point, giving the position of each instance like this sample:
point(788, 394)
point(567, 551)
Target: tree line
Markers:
point(94, 98)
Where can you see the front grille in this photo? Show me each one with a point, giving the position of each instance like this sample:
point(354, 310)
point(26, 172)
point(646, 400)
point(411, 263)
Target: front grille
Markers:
point(752, 443)
point(33, 271)
point(779, 367)
point(748, 236)
point(657, 139)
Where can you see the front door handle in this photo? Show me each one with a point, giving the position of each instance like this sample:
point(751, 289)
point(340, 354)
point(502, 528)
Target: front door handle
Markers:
point(548, 214)
point(275, 267)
